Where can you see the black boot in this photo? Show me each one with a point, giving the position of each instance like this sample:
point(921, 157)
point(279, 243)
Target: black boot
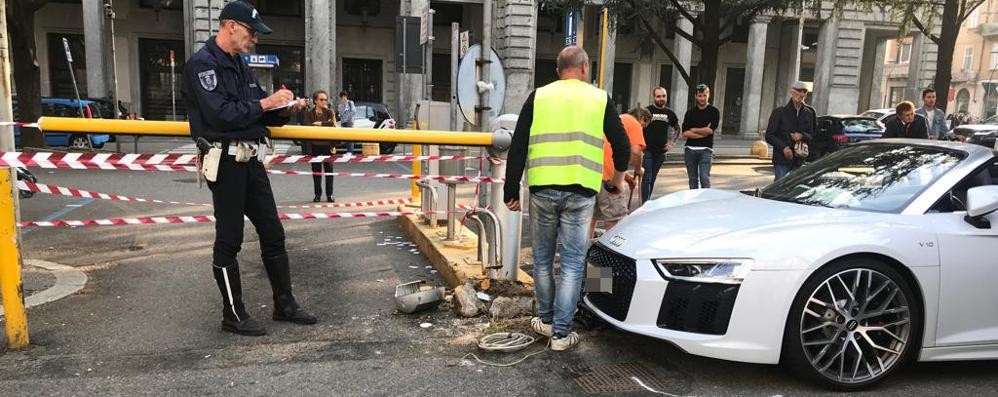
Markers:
point(234, 316)
point(285, 306)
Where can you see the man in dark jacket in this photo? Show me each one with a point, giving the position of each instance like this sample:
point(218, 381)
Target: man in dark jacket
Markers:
point(228, 110)
point(907, 124)
point(789, 125)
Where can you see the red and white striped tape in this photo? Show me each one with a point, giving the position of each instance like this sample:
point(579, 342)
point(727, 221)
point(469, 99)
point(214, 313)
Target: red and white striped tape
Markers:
point(71, 192)
point(18, 124)
point(157, 220)
point(127, 161)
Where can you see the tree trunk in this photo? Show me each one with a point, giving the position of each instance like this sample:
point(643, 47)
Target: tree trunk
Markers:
point(27, 75)
point(946, 45)
point(710, 44)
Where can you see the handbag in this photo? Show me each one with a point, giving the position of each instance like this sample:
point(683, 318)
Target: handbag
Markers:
point(801, 149)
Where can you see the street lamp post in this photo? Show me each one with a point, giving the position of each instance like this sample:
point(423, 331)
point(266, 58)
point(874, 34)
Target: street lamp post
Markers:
point(800, 42)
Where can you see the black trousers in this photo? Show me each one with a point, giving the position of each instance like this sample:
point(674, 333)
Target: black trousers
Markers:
point(319, 150)
point(243, 189)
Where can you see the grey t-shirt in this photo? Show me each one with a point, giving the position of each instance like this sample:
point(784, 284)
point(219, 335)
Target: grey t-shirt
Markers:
point(346, 111)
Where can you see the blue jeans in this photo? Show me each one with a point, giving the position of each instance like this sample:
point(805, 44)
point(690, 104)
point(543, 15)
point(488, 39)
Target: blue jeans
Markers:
point(781, 170)
point(698, 167)
point(555, 214)
point(652, 163)
point(350, 145)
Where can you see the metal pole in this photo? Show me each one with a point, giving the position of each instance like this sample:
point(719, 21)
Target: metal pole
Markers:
point(11, 287)
point(72, 75)
point(428, 73)
point(484, 63)
point(455, 52)
point(114, 65)
point(799, 53)
point(451, 208)
point(173, 84)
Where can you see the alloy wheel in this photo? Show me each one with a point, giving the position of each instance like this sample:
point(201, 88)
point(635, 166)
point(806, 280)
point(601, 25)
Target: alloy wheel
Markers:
point(855, 326)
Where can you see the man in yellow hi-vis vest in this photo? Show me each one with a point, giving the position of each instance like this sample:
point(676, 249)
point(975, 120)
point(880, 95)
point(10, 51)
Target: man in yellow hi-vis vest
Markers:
point(559, 140)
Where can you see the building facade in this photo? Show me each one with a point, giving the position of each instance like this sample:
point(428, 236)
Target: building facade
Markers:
point(351, 45)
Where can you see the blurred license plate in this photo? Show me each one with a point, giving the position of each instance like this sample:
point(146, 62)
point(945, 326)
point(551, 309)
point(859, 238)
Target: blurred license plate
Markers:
point(598, 279)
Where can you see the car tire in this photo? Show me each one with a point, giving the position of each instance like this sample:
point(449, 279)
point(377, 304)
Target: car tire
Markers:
point(79, 142)
point(873, 327)
point(387, 148)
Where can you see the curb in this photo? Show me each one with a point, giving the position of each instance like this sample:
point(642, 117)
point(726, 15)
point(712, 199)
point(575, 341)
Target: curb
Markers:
point(457, 265)
point(68, 280)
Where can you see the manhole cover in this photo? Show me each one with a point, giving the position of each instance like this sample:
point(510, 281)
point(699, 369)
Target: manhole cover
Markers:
point(617, 378)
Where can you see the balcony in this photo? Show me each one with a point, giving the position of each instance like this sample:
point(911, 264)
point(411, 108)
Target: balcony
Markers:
point(987, 29)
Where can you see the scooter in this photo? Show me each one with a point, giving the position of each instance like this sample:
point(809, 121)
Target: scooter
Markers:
point(24, 175)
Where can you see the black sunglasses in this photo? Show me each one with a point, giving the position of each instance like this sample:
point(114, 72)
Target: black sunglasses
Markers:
point(251, 31)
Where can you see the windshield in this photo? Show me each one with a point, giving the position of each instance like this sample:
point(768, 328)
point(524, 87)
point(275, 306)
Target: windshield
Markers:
point(880, 177)
point(862, 126)
point(873, 114)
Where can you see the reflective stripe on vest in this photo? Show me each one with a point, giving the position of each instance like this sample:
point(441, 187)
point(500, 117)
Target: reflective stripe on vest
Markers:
point(566, 136)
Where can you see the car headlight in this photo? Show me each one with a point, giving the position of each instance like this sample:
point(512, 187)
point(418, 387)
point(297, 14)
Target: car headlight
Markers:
point(719, 271)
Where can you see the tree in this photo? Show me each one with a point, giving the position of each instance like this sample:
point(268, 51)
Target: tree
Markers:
point(715, 23)
point(922, 15)
point(24, 59)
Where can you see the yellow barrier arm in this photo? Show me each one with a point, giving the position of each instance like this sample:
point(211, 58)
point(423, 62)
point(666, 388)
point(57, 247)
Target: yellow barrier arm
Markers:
point(182, 128)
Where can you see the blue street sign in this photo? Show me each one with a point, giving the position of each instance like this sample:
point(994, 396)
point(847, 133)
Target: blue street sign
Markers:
point(261, 61)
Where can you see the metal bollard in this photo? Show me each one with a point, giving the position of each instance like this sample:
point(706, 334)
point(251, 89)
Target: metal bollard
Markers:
point(451, 211)
point(428, 201)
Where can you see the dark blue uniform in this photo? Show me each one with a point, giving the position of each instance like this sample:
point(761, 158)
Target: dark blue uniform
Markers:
point(223, 105)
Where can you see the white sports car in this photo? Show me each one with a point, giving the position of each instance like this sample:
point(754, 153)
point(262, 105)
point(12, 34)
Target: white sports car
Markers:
point(876, 254)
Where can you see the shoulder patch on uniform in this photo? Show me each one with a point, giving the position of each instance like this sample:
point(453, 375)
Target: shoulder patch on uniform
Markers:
point(208, 80)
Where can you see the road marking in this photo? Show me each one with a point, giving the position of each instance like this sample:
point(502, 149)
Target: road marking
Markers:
point(68, 280)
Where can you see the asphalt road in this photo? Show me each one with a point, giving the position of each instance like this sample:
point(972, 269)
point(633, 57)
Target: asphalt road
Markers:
point(147, 322)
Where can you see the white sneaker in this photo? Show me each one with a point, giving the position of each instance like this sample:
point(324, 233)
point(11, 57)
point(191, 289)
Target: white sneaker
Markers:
point(565, 343)
point(539, 327)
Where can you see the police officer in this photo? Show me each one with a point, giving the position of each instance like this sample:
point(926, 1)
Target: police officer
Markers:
point(228, 109)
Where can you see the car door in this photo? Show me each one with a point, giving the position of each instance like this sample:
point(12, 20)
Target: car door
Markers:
point(968, 290)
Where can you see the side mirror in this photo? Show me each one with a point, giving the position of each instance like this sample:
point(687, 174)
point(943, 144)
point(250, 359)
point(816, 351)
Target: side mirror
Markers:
point(981, 202)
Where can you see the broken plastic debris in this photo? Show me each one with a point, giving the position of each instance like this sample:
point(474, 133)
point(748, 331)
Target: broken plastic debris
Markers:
point(380, 280)
point(413, 267)
point(425, 325)
point(483, 296)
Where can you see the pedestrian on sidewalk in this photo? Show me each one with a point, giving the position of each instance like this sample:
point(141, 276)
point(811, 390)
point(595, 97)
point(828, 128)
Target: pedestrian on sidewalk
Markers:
point(935, 119)
point(346, 110)
point(699, 125)
point(660, 136)
point(907, 124)
point(559, 140)
point(791, 127)
point(611, 208)
point(229, 112)
point(321, 115)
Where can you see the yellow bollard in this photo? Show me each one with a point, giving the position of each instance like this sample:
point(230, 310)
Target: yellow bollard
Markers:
point(11, 289)
point(417, 169)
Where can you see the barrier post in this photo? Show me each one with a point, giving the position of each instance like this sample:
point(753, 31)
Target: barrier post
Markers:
point(11, 287)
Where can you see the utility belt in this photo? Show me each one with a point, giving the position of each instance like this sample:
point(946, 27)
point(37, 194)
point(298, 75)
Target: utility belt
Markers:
point(210, 154)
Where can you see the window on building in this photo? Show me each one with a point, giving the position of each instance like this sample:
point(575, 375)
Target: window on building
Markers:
point(962, 100)
point(665, 78)
point(990, 100)
point(895, 97)
point(59, 77)
point(367, 8)
point(968, 59)
point(904, 53)
point(974, 19)
point(161, 4)
point(291, 69)
point(441, 77)
point(281, 8)
point(622, 86)
point(445, 14)
point(994, 56)
point(159, 87)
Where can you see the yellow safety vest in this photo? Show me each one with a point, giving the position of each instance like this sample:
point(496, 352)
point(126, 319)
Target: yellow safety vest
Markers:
point(566, 137)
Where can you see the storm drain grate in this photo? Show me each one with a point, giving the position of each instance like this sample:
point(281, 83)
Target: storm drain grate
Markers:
point(617, 378)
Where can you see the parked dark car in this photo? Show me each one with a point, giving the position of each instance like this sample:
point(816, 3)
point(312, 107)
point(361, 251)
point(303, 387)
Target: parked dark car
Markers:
point(368, 115)
point(980, 134)
point(835, 131)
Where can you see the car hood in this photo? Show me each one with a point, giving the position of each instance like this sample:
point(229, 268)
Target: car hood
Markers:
point(711, 223)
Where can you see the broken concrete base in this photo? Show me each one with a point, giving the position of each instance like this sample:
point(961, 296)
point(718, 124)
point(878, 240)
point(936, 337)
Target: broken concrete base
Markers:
point(510, 307)
point(466, 302)
point(457, 263)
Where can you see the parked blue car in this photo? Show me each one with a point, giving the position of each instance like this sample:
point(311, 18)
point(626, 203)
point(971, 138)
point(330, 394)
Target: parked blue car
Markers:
point(63, 107)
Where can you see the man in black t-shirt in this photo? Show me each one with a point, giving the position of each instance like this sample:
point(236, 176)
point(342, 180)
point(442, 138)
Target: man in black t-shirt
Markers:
point(699, 125)
point(660, 136)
